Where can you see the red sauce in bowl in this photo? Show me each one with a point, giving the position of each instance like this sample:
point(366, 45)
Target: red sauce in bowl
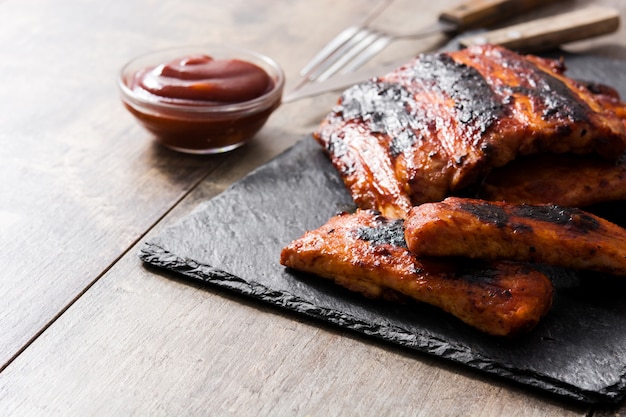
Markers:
point(200, 77)
point(199, 104)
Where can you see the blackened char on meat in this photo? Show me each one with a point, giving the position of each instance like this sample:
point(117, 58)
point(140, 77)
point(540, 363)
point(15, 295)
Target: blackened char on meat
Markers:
point(442, 122)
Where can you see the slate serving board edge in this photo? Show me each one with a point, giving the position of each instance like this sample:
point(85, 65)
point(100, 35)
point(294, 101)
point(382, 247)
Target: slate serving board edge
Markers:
point(422, 340)
point(426, 343)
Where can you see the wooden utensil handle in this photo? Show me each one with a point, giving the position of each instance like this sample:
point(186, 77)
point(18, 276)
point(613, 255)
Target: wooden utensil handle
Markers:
point(550, 32)
point(475, 13)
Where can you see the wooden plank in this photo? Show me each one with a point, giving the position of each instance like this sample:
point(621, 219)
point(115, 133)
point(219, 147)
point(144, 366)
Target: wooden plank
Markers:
point(81, 180)
point(142, 343)
point(82, 183)
point(551, 32)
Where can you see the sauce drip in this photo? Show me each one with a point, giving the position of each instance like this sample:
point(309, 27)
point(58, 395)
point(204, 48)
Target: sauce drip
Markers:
point(202, 78)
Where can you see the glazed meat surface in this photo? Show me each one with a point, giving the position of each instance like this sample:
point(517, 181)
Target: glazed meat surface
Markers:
point(366, 252)
point(440, 123)
point(549, 234)
point(565, 180)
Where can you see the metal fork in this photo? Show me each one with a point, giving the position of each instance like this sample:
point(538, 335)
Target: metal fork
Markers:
point(357, 44)
point(344, 47)
point(362, 47)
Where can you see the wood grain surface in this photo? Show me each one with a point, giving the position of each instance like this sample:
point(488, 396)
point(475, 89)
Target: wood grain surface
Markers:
point(85, 328)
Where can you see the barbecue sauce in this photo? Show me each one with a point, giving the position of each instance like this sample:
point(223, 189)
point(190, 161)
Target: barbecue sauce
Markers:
point(199, 104)
point(202, 78)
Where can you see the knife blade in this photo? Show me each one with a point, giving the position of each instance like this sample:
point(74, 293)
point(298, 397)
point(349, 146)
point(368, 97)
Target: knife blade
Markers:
point(533, 36)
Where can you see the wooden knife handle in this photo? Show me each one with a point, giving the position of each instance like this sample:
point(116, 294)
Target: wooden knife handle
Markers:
point(475, 13)
point(550, 32)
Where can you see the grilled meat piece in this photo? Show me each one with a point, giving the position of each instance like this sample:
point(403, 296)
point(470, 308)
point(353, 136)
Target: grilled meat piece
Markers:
point(608, 98)
point(366, 252)
point(549, 234)
point(441, 122)
point(565, 180)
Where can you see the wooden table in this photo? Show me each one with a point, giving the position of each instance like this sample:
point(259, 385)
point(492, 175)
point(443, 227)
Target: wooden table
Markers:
point(85, 328)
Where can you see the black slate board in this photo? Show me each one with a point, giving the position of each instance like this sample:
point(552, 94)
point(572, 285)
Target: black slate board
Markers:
point(234, 240)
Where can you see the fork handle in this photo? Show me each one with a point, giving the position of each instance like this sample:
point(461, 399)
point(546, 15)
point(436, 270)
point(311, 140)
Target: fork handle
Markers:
point(551, 32)
point(475, 13)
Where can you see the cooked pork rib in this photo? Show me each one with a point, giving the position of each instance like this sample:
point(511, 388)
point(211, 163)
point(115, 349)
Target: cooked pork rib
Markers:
point(549, 234)
point(443, 121)
point(565, 180)
point(365, 252)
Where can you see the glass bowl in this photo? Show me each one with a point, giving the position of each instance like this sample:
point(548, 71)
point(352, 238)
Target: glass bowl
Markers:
point(198, 126)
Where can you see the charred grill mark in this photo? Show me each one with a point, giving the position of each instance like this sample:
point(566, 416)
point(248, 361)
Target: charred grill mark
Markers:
point(387, 232)
point(558, 215)
point(487, 213)
point(383, 106)
point(337, 147)
point(521, 227)
point(387, 108)
point(498, 216)
point(549, 214)
point(400, 143)
point(477, 272)
point(556, 99)
point(476, 105)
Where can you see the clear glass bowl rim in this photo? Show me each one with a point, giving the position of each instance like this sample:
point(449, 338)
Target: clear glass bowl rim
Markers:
point(155, 103)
